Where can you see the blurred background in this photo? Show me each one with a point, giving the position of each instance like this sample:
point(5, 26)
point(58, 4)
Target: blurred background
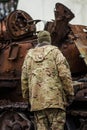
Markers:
point(44, 9)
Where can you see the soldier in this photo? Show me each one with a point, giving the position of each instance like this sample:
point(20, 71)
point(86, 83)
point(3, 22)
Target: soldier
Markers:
point(47, 84)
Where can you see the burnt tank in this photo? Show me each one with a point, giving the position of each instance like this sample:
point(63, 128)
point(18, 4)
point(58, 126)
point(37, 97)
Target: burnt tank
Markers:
point(72, 41)
point(17, 35)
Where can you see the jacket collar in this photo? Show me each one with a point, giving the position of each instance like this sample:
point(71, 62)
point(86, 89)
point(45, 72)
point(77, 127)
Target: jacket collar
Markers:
point(43, 44)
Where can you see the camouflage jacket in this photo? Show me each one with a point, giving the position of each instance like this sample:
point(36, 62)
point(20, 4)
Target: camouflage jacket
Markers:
point(46, 78)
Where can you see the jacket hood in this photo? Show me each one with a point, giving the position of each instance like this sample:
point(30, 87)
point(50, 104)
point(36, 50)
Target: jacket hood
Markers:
point(39, 53)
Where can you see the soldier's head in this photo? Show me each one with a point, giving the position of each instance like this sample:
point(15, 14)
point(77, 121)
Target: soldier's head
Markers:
point(44, 36)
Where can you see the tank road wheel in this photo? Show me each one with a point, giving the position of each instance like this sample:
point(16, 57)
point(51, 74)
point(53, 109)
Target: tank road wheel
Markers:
point(15, 121)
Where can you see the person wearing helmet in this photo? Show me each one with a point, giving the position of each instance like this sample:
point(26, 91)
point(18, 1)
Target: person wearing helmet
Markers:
point(47, 83)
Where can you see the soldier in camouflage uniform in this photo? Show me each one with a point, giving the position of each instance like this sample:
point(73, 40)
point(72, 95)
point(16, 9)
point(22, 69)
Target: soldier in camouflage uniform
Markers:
point(46, 84)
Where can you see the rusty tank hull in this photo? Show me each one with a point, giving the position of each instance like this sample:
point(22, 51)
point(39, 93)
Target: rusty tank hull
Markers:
point(72, 41)
point(12, 107)
point(16, 38)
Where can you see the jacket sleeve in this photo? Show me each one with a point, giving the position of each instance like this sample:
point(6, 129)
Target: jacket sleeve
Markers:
point(64, 74)
point(24, 81)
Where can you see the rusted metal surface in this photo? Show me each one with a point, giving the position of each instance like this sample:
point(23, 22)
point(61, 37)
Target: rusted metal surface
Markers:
point(17, 36)
point(71, 39)
point(8, 105)
point(80, 90)
point(80, 33)
point(72, 54)
point(59, 27)
point(15, 41)
point(11, 60)
point(19, 25)
point(15, 121)
point(13, 118)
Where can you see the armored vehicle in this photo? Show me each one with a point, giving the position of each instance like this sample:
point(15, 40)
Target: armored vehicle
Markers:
point(72, 41)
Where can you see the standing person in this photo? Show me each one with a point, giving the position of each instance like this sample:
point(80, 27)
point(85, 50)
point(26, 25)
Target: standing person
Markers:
point(47, 84)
